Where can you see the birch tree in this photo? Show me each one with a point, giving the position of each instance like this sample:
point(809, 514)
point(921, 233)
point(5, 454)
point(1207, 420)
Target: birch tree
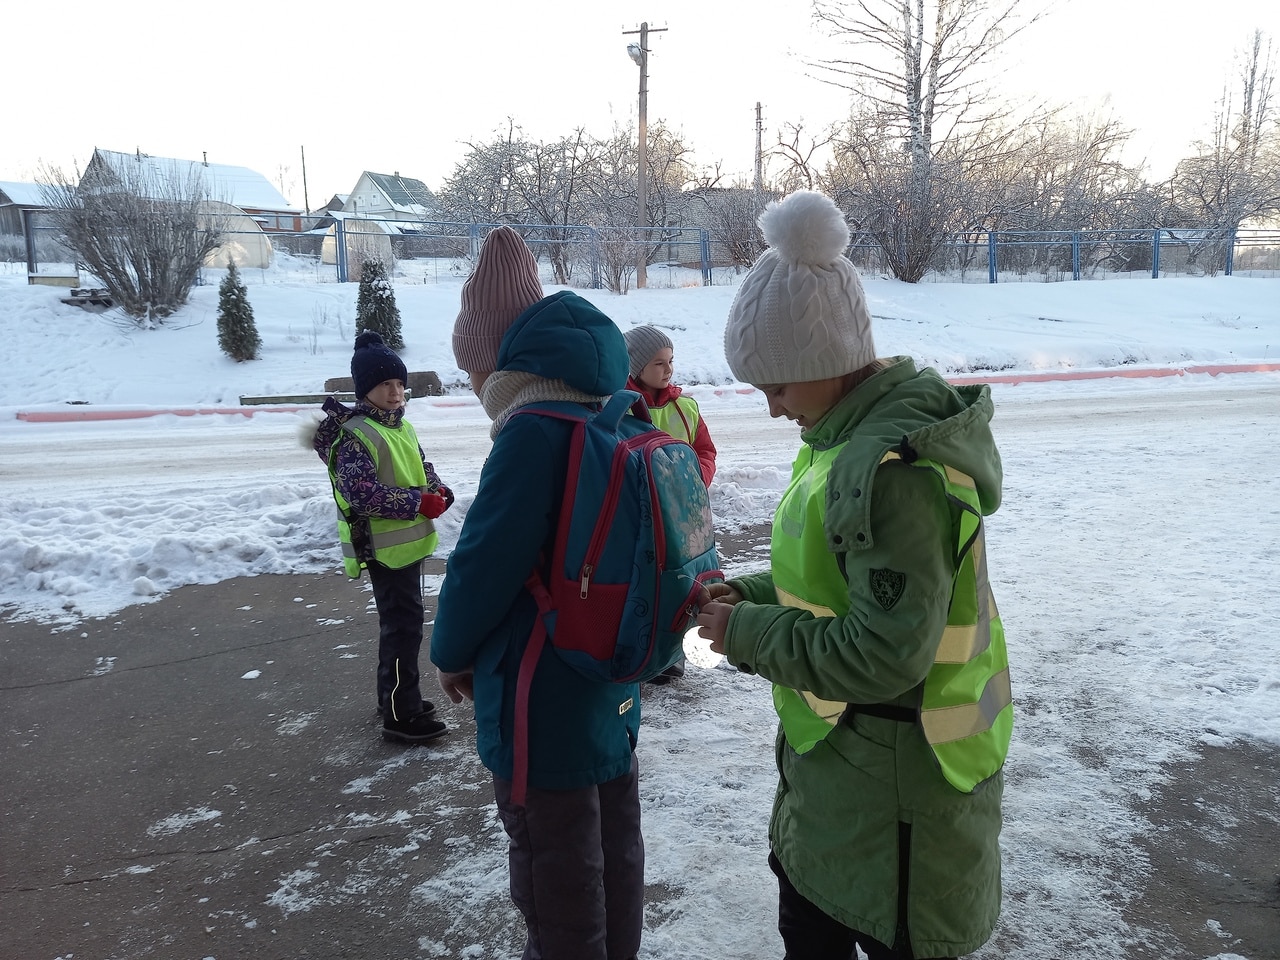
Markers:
point(1234, 176)
point(924, 119)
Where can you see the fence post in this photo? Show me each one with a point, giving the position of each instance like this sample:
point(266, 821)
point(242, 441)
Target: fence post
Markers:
point(595, 258)
point(991, 256)
point(340, 247)
point(1075, 255)
point(704, 251)
point(1231, 250)
point(1155, 254)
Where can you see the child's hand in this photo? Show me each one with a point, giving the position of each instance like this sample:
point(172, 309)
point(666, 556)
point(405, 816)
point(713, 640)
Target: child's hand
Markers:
point(713, 623)
point(432, 505)
point(723, 592)
point(447, 494)
point(457, 686)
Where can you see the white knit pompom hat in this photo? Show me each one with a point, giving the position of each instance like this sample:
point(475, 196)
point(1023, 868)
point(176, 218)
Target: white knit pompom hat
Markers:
point(800, 313)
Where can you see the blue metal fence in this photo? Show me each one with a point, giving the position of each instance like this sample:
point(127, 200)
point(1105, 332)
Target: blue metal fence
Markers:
point(585, 256)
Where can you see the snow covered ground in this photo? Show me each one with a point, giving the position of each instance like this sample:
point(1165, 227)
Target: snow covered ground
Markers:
point(1134, 558)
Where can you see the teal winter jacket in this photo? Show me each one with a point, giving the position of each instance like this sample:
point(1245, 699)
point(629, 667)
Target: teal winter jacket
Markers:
point(581, 732)
point(865, 824)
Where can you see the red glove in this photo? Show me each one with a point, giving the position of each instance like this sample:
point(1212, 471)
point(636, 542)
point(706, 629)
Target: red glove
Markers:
point(432, 505)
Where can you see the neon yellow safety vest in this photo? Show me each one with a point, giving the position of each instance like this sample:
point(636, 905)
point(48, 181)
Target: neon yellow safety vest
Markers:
point(396, 543)
point(966, 709)
point(678, 417)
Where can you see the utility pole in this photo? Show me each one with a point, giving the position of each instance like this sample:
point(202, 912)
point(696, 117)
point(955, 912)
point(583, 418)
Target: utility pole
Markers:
point(305, 202)
point(639, 53)
point(759, 178)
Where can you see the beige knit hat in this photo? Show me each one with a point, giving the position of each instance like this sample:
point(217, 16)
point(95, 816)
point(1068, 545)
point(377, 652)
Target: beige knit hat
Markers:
point(643, 344)
point(800, 314)
point(503, 285)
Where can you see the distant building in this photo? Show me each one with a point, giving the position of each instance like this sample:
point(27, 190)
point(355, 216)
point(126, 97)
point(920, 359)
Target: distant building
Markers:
point(381, 196)
point(237, 186)
point(14, 198)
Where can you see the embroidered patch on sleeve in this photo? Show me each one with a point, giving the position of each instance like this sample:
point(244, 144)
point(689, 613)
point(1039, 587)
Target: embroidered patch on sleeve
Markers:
point(887, 587)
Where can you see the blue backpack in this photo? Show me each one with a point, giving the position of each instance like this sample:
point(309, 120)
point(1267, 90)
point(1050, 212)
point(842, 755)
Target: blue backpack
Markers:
point(634, 546)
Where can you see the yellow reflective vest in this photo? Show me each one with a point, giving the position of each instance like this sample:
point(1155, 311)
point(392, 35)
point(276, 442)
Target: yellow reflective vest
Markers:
point(678, 417)
point(966, 707)
point(396, 455)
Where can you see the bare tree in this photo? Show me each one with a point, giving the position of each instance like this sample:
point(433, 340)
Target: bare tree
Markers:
point(552, 182)
point(143, 233)
point(799, 151)
point(1235, 176)
point(924, 120)
point(483, 186)
point(730, 216)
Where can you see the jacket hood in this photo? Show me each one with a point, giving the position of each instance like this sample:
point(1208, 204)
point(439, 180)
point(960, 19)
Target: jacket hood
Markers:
point(938, 421)
point(565, 337)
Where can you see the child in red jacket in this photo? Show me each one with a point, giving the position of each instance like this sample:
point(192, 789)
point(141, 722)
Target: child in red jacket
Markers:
point(650, 354)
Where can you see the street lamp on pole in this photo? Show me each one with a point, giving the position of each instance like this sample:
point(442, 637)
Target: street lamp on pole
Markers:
point(639, 54)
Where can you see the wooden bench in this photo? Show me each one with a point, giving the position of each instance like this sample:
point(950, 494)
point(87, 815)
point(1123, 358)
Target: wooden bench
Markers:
point(302, 398)
point(89, 297)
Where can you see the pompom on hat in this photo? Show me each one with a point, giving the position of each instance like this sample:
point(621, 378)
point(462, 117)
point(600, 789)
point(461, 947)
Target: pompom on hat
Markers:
point(800, 314)
point(373, 362)
point(643, 344)
point(503, 285)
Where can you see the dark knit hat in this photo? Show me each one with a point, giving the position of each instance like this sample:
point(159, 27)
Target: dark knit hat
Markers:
point(503, 285)
point(373, 362)
point(643, 344)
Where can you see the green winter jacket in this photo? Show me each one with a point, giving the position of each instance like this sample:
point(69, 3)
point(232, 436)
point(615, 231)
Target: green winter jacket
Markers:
point(864, 823)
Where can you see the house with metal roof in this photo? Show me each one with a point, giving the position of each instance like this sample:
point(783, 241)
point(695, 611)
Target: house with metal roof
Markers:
point(382, 196)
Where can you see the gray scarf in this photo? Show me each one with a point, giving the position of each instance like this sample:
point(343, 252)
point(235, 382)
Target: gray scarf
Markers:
point(507, 390)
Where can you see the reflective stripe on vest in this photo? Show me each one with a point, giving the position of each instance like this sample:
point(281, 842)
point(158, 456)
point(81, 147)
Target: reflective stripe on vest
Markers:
point(678, 417)
point(398, 462)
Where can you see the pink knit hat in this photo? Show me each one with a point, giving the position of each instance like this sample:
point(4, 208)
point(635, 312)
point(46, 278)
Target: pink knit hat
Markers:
point(503, 285)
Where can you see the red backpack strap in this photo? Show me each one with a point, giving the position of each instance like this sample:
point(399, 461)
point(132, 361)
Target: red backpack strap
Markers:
point(524, 680)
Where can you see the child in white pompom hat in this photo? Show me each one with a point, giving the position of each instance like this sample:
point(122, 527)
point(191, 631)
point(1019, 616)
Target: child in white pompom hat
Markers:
point(875, 620)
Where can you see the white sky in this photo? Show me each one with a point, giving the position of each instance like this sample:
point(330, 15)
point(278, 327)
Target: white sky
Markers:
point(402, 89)
point(1133, 558)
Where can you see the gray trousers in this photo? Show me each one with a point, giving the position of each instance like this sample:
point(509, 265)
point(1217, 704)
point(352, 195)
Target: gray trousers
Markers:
point(577, 868)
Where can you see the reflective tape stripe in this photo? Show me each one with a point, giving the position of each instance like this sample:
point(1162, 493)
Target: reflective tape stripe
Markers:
point(963, 642)
point(945, 724)
point(960, 478)
point(791, 600)
point(398, 536)
point(360, 426)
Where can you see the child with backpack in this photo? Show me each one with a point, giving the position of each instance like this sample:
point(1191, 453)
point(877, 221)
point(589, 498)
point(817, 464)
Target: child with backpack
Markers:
point(387, 495)
point(559, 744)
point(649, 358)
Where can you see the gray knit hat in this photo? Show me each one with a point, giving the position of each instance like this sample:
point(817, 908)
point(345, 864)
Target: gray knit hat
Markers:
point(800, 314)
point(643, 344)
point(503, 285)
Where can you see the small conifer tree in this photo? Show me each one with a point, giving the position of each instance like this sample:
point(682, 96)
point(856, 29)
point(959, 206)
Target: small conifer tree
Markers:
point(237, 333)
point(376, 305)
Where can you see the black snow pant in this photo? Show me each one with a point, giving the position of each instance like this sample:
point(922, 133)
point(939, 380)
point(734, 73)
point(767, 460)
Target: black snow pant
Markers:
point(808, 933)
point(398, 596)
point(577, 868)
